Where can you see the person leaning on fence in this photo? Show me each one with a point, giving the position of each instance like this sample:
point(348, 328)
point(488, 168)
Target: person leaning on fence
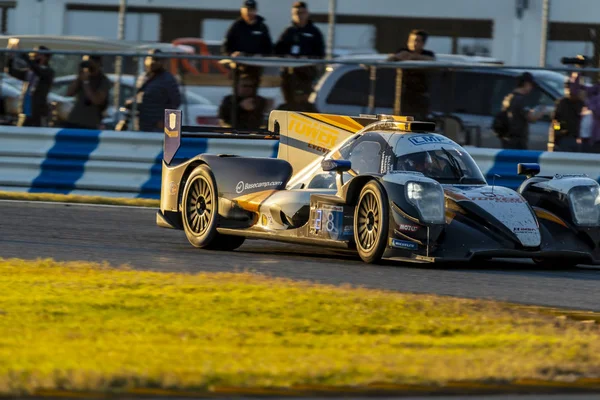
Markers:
point(566, 119)
point(248, 36)
point(250, 107)
point(157, 90)
point(91, 89)
point(299, 100)
point(415, 84)
point(301, 39)
point(511, 124)
point(38, 76)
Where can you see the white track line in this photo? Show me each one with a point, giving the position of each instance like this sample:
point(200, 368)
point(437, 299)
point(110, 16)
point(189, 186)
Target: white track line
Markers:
point(75, 204)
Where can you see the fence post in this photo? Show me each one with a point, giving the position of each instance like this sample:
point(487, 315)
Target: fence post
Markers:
point(398, 93)
point(119, 59)
point(372, 82)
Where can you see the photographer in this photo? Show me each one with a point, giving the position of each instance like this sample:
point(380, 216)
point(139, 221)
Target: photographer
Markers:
point(38, 77)
point(91, 89)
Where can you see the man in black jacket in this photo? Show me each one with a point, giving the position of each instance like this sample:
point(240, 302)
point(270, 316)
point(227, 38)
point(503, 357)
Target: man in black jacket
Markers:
point(301, 39)
point(38, 77)
point(248, 36)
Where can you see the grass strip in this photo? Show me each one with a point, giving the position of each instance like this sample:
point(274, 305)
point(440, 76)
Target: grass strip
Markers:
point(70, 198)
point(94, 328)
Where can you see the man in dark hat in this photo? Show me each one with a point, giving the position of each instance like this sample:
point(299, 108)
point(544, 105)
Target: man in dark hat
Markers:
point(91, 90)
point(157, 90)
point(519, 114)
point(248, 36)
point(38, 76)
point(301, 39)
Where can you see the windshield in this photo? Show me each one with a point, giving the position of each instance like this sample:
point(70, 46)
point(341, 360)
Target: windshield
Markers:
point(445, 164)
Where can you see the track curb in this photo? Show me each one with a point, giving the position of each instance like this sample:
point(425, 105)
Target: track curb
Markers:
point(524, 386)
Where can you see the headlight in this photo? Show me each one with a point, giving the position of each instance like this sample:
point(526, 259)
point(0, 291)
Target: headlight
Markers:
point(585, 205)
point(428, 198)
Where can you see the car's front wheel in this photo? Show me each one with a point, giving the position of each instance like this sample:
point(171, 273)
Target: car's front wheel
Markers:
point(371, 222)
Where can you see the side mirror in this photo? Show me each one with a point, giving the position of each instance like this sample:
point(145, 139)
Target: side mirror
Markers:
point(336, 165)
point(339, 166)
point(528, 169)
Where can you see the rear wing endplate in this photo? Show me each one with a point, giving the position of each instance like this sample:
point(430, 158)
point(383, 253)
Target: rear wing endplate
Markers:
point(174, 131)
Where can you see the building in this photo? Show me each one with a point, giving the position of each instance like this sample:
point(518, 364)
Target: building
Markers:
point(510, 30)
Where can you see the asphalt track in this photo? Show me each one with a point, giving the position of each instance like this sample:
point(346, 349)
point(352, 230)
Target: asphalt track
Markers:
point(126, 235)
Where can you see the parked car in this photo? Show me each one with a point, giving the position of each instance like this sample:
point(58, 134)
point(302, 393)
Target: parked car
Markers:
point(476, 98)
point(197, 109)
point(10, 92)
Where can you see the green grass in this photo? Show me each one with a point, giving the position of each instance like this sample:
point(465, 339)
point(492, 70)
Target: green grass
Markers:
point(69, 198)
point(80, 326)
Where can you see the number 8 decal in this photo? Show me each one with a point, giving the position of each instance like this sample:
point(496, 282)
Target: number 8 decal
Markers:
point(330, 223)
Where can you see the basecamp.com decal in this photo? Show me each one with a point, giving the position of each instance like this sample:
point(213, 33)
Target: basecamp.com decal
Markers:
point(242, 186)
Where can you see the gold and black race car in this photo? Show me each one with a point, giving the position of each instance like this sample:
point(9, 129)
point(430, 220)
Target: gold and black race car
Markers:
point(383, 186)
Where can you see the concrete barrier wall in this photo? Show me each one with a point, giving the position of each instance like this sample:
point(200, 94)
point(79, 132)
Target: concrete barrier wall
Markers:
point(128, 164)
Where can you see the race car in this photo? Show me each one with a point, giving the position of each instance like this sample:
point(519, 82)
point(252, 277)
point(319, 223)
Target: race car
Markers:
point(385, 187)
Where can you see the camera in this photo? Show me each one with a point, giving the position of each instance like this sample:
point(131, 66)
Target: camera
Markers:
point(579, 61)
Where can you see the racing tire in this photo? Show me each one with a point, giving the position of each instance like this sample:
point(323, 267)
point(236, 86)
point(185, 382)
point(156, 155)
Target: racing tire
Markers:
point(371, 222)
point(558, 263)
point(199, 208)
point(200, 213)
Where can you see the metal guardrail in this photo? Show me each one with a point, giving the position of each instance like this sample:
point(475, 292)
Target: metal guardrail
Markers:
point(129, 164)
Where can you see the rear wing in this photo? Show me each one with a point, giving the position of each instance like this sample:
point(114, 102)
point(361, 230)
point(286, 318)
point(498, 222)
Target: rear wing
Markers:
point(174, 131)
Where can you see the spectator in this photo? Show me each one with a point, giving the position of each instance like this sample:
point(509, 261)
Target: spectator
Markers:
point(592, 103)
point(301, 39)
point(38, 76)
point(248, 36)
point(415, 85)
point(157, 90)
point(91, 89)
point(299, 101)
point(250, 106)
point(566, 121)
point(519, 115)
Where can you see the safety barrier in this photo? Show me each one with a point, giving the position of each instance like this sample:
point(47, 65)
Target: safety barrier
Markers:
point(128, 164)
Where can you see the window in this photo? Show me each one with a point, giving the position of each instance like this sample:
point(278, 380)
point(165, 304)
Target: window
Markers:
point(352, 89)
point(365, 157)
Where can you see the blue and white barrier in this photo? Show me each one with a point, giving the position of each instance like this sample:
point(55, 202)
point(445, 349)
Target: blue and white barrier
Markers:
point(128, 164)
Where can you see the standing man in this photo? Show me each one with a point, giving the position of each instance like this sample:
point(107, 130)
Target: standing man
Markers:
point(38, 76)
point(566, 121)
point(91, 89)
point(519, 115)
point(247, 36)
point(415, 85)
point(157, 90)
point(301, 39)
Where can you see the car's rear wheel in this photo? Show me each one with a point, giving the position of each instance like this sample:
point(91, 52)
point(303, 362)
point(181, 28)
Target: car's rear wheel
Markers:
point(371, 222)
point(555, 263)
point(200, 212)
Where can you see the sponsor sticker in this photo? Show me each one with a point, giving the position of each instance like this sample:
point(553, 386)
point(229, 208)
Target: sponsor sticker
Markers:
point(499, 199)
point(404, 245)
point(242, 186)
point(318, 135)
point(173, 187)
point(524, 229)
point(408, 228)
point(427, 139)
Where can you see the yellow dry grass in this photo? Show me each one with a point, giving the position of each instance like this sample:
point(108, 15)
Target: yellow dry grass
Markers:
point(90, 327)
